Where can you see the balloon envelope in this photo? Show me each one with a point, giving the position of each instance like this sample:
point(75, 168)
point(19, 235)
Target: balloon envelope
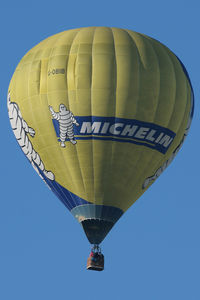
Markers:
point(100, 113)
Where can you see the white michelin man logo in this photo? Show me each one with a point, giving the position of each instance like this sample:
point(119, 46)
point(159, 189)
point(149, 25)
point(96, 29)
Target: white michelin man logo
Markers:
point(167, 162)
point(21, 131)
point(66, 121)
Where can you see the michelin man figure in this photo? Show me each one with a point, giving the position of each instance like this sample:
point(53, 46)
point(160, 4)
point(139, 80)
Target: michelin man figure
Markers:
point(66, 121)
point(22, 131)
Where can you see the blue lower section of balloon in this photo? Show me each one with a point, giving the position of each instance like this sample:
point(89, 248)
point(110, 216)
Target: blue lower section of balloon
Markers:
point(94, 211)
point(81, 209)
point(96, 220)
point(69, 199)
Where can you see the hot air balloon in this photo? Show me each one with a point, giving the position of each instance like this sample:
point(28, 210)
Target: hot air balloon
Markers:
point(100, 113)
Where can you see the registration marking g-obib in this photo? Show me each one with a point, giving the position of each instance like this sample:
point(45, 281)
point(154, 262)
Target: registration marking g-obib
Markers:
point(122, 130)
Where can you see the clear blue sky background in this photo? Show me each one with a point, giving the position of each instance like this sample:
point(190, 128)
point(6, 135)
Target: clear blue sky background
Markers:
point(154, 250)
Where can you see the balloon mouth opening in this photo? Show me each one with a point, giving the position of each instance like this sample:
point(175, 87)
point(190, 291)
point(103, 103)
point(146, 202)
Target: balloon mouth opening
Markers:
point(96, 220)
point(96, 229)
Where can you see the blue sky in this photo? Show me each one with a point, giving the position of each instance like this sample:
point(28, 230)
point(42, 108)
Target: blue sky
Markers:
point(153, 251)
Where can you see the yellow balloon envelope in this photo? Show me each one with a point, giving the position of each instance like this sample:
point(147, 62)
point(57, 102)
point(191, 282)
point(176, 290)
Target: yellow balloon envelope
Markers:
point(100, 113)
